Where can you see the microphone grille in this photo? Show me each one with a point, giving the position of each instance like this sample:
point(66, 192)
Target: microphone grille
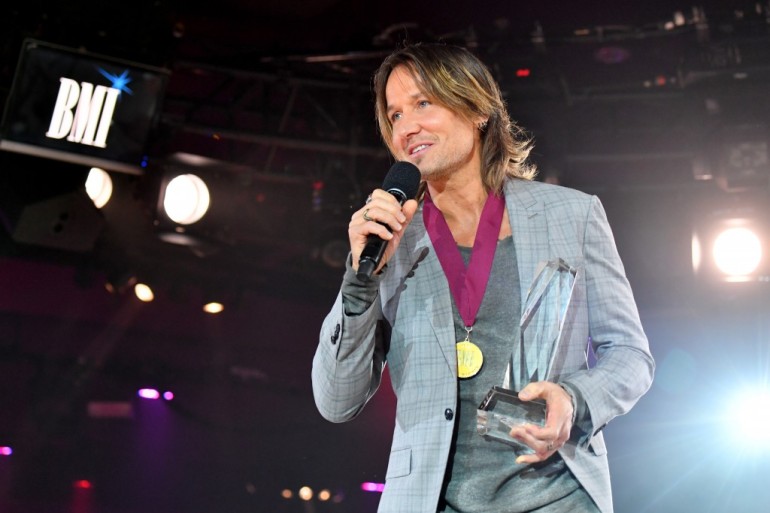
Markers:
point(403, 176)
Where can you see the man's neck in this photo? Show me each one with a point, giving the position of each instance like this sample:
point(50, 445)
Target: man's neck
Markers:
point(461, 199)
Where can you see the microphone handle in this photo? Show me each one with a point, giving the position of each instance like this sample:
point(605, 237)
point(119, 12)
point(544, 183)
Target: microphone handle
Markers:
point(375, 247)
point(371, 257)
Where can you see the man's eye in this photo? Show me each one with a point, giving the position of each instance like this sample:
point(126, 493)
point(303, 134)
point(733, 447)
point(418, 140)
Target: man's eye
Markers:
point(424, 103)
point(395, 116)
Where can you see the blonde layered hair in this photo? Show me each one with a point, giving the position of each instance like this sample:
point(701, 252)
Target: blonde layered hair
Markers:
point(455, 78)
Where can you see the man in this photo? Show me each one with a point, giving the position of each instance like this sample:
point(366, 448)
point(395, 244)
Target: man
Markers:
point(439, 108)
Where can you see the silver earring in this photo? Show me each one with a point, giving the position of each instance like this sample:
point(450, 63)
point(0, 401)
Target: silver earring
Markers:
point(483, 126)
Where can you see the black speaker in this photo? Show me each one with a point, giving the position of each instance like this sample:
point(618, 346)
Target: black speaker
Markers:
point(44, 203)
point(70, 222)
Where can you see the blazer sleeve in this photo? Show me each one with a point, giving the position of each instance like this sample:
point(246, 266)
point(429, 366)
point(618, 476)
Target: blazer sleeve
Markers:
point(349, 360)
point(624, 366)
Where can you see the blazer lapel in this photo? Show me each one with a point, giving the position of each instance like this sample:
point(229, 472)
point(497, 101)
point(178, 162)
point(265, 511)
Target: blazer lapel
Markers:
point(439, 306)
point(530, 241)
point(530, 231)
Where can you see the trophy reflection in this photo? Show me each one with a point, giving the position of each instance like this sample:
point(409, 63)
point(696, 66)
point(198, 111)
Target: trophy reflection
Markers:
point(543, 330)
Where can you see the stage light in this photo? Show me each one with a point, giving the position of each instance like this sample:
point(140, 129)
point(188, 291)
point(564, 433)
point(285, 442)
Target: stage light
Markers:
point(730, 245)
point(213, 307)
point(305, 493)
point(748, 419)
point(274, 218)
point(148, 393)
point(216, 298)
point(373, 487)
point(143, 292)
point(186, 199)
point(99, 186)
point(82, 484)
point(737, 253)
point(5, 450)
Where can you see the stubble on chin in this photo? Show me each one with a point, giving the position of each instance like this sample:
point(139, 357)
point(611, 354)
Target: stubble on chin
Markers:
point(434, 171)
point(432, 175)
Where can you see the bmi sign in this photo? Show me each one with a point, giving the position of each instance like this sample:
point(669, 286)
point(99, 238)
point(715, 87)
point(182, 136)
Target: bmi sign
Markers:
point(82, 107)
point(83, 113)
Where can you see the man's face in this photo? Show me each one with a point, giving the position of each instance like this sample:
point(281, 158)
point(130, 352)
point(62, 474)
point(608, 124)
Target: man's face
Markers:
point(430, 136)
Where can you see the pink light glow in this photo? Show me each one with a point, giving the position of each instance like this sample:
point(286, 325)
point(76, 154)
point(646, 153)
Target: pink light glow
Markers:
point(372, 487)
point(5, 450)
point(148, 393)
point(168, 395)
point(83, 484)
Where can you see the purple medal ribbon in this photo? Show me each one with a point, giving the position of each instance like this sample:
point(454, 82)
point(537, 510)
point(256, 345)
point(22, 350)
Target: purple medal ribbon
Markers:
point(467, 285)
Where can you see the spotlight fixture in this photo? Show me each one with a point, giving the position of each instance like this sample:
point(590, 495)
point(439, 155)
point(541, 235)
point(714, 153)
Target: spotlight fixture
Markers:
point(731, 246)
point(186, 199)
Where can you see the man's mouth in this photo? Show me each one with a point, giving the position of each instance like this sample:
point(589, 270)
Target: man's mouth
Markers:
point(418, 148)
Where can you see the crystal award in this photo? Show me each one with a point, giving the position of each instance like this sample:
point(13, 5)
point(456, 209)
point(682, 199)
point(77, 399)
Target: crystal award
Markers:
point(543, 330)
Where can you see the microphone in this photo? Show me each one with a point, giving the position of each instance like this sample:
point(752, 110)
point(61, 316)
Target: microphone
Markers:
point(402, 181)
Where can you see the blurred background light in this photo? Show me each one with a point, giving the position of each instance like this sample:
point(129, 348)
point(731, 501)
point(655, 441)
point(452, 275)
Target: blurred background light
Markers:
point(372, 487)
point(305, 493)
point(186, 199)
point(729, 244)
point(737, 252)
point(99, 186)
point(748, 419)
point(213, 307)
point(143, 292)
point(148, 393)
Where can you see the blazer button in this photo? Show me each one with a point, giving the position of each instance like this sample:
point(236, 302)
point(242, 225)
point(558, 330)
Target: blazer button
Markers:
point(449, 414)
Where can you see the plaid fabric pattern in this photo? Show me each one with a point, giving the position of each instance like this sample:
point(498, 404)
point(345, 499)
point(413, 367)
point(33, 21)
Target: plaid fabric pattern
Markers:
point(410, 326)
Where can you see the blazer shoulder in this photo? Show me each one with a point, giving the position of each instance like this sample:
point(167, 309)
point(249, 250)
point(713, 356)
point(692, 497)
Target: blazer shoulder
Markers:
point(552, 196)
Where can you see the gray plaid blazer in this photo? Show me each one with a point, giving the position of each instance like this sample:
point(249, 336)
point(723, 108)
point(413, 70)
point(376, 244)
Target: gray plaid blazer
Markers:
point(410, 326)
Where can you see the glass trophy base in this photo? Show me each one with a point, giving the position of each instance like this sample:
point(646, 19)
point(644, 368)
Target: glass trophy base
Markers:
point(501, 410)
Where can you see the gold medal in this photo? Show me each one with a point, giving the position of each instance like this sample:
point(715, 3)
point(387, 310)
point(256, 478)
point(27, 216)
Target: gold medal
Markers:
point(469, 359)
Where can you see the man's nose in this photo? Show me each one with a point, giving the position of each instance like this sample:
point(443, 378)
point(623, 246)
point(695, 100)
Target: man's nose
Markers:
point(406, 126)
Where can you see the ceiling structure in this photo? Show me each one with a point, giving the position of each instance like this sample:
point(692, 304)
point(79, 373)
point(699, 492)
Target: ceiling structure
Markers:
point(271, 100)
point(276, 97)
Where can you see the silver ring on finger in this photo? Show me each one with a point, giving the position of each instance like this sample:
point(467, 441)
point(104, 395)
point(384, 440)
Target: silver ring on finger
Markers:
point(366, 215)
